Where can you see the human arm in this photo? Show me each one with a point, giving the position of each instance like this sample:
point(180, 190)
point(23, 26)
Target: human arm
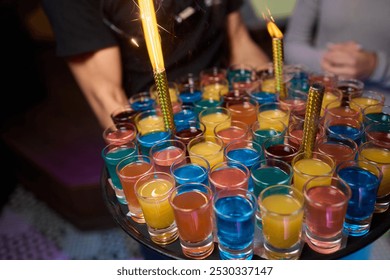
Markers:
point(242, 48)
point(298, 47)
point(99, 76)
point(88, 46)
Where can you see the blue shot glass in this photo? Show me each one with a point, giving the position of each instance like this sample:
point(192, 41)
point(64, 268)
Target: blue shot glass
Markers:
point(147, 140)
point(191, 169)
point(142, 101)
point(234, 211)
point(112, 155)
point(246, 152)
point(341, 128)
point(189, 89)
point(363, 178)
point(183, 118)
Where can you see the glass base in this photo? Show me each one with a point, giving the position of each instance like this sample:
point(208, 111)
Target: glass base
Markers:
point(198, 250)
point(120, 195)
point(136, 218)
point(292, 253)
point(323, 245)
point(357, 228)
point(164, 236)
point(226, 253)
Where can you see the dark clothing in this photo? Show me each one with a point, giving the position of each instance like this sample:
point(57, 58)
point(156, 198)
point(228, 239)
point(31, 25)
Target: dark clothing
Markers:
point(189, 43)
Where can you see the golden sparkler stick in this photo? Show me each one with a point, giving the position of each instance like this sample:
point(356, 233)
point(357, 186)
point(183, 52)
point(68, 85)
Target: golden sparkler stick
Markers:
point(277, 55)
point(153, 44)
point(312, 116)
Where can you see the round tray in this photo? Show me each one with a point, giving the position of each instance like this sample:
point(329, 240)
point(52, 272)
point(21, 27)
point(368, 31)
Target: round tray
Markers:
point(379, 225)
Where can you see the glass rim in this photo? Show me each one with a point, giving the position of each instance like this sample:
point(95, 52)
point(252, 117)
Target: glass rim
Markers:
point(289, 187)
point(231, 193)
point(306, 187)
point(110, 147)
point(175, 193)
point(301, 155)
point(138, 159)
point(229, 165)
point(149, 177)
point(355, 162)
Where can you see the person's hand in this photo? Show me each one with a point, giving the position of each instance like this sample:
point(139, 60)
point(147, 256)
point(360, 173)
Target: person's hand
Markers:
point(348, 60)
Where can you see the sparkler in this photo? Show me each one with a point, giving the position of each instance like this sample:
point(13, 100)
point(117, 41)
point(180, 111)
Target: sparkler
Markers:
point(153, 44)
point(277, 55)
point(312, 116)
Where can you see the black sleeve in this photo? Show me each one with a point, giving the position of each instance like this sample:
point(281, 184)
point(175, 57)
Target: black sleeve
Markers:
point(78, 26)
point(234, 5)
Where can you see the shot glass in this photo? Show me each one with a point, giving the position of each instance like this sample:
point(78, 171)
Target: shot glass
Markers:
point(153, 191)
point(142, 101)
point(380, 156)
point(350, 87)
point(338, 149)
point(328, 79)
point(184, 117)
point(234, 211)
point(189, 89)
point(307, 168)
point(345, 128)
point(378, 133)
point(295, 100)
point(244, 110)
point(261, 132)
point(360, 101)
point(191, 169)
point(218, 72)
point(371, 114)
point(295, 131)
point(204, 104)
point(165, 152)
point(300, 77)
point(240, 70)
point(363, 178)
point(192, 208)
point(246, 152)
point(332, 96)
point(121, 134)
point(211, 117)
point(325, 210)
point(267, 78)
point(282, 210)
point(248, 82)
point(129, 170)
point(214, 87)
point(269, 172)
point(147, 140)
point(149, 121)
point(334, 111)
point(263, 97)
point(228, 175)
point(281, 147)
point(192, 130)
point(208, 147)
point(123, 115)
point(229, 131)
point(112, 155)
point(273, 111)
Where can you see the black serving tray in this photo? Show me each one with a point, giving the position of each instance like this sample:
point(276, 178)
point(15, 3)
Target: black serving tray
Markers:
point(379, 225)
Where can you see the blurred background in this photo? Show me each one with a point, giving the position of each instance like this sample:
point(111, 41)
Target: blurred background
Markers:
point(51, 202)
